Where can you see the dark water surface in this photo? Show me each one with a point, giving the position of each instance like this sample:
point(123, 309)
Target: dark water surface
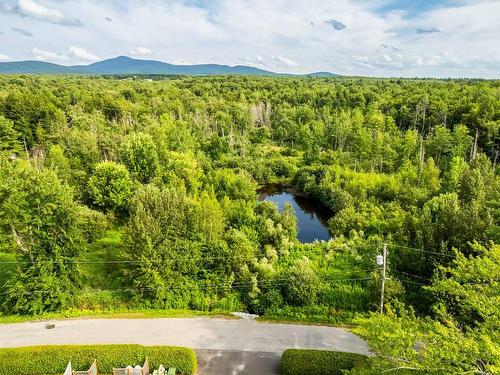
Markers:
point(312, 216)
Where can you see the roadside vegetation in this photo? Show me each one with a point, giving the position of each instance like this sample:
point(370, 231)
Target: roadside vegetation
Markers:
point(51, 360)
point(125, 194)
point(320, 362)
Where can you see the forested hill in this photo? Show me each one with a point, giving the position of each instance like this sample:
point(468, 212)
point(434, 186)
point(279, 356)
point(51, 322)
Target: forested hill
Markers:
point(127, 65)
point(134, 194)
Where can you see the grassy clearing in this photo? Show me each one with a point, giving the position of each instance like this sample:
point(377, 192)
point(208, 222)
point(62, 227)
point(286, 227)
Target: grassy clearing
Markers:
point(95, 273)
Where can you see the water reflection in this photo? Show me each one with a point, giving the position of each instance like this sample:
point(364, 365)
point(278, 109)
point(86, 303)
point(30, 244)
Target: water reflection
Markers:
point(312, 216)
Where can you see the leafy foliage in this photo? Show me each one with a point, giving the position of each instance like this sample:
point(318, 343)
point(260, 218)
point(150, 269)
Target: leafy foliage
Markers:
point(40, 218)
point(110, 187)
point(320, 362)
point(147, 193)
point(47, 360)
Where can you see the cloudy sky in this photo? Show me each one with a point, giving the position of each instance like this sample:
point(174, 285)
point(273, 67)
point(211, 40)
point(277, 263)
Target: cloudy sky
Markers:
point(432, 38)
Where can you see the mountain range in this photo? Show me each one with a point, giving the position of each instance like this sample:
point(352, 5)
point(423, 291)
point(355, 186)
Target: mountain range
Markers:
point(126, 65)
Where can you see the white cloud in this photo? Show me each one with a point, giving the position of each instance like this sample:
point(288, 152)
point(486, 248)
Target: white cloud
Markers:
point(141, 51)
point(279, 35)
point(82, 54)
point(182, 62)
point(74, 55)
point(48, 55)
point(284, 61)
point(4, 57)
point(270, 62)
point(34, 10)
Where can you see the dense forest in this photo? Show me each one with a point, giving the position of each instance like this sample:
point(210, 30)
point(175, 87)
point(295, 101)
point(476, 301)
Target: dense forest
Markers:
point(131, 193)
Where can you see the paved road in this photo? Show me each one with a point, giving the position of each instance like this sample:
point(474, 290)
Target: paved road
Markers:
point(199, 333)
point(224, 346)
point(225, 362)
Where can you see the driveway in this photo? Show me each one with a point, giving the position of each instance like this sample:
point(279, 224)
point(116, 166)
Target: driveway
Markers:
point(234, 362)
point(228, 346)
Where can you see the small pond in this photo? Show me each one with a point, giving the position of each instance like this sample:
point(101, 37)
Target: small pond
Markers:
point(312, 216)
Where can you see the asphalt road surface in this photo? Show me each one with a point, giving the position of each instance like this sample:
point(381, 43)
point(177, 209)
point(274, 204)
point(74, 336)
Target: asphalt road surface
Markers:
point(224, 346)
point(226, 362)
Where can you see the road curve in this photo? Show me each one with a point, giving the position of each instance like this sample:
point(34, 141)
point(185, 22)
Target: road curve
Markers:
point(196, 333)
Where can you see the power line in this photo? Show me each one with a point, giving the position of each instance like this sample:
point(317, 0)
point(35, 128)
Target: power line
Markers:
point(431, 281)
point(422, 250)
point(413, 282)
point(411, 275)
point(238, 285)
point(173, 258)
point(177, 258)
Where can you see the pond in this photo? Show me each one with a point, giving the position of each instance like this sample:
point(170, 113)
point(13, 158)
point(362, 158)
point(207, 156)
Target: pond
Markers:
point(312, 216)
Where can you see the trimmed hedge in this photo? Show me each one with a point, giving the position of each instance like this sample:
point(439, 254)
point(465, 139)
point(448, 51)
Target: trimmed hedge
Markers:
point(44, 360)
point(319, 362)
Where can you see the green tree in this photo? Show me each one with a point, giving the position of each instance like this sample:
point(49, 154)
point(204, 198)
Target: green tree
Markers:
point(302, 284)
point(430, 177)
point(39, 216)
point(402, 342)
point(9, 143)
point(467, 291)
point(159, 242)
point(110, 187)
point(442, 225)
point(138, 153)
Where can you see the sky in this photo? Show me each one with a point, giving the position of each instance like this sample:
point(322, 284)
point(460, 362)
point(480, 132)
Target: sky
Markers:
point(386, 38)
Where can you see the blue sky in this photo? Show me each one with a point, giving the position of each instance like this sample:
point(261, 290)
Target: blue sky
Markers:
point(414, 7)
point(442, 38)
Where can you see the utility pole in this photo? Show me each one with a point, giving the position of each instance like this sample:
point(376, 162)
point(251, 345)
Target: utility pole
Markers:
point(383, 279)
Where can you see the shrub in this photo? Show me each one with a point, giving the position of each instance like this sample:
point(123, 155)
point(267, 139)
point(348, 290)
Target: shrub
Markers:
point(92, 223)
point(110, 187)
point(303, 284)
point(319, 362)
point(38, 360)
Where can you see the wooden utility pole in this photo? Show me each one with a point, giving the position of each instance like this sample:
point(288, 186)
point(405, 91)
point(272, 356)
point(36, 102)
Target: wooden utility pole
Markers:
point(383, 280)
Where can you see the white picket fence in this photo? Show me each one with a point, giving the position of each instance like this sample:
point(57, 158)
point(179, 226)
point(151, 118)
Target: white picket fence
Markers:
point(137, 370)
point(91, 371)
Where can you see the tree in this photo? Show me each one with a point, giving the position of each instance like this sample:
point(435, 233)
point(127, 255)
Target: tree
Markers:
point(442, 224)
point(469, 289)
point(462, 141)
point(158, 241)
point(302, 284)
point(403, 342)
point(179, 169)
point(439, 144)
point(234, 185)
point(138, 153)
point(110, 187)
point(40, 218)
point(9, 143)
point(430, 177)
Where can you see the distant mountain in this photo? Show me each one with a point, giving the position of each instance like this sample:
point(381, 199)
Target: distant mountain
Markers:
point(127, 65)
point(32, 67)
point(321, 74)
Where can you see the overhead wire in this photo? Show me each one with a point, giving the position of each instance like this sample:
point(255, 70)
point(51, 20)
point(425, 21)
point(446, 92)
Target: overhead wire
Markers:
point(237, 285)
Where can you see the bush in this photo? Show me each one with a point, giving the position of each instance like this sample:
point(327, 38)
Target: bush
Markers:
point(92, 223)
point(110, 187)
point(43, 360)
point(319, 362)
